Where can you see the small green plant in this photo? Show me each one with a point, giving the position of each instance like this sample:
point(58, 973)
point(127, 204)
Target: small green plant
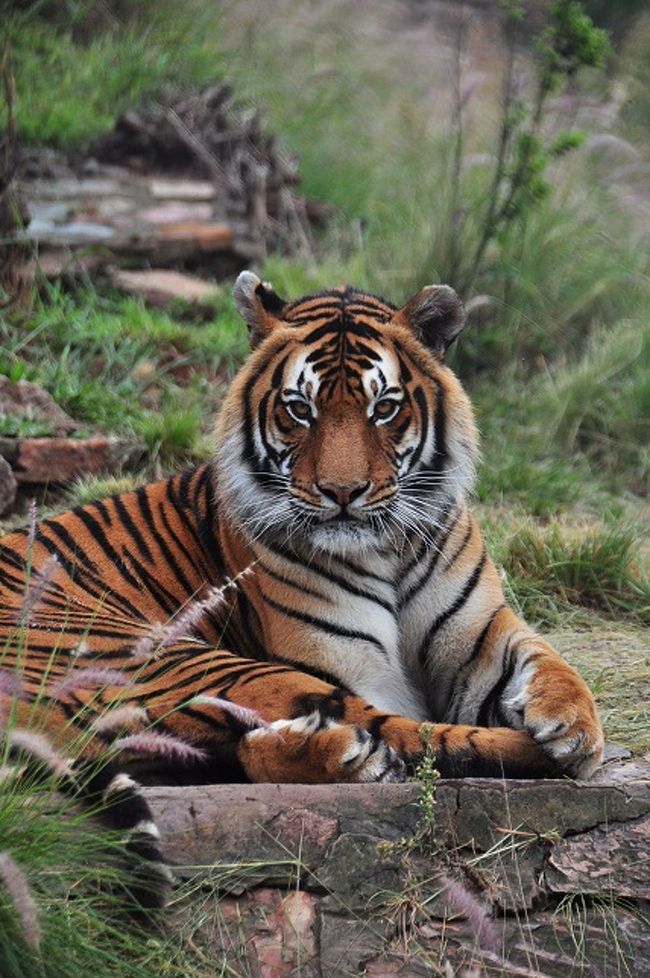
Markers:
point(568, 42)
point(428, 775)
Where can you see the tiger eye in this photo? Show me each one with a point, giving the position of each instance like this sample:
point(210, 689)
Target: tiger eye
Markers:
point(384, 409)
point(300, 410)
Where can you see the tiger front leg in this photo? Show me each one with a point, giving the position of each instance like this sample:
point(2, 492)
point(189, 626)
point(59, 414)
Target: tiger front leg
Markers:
point(282, 725)
point(517, 679)
point(298, 728)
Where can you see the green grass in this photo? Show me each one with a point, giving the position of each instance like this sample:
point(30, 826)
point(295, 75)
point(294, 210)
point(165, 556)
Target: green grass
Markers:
point(97, 80)
point(556, 571)
point(111, 362)
point(71, 867)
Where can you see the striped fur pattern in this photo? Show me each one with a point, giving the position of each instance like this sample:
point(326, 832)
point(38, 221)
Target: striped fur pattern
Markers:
point(316, 601)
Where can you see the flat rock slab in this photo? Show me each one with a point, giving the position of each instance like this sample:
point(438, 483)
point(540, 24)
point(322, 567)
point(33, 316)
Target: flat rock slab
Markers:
point(610, 859)
point(26, 401)
point(57, 460)
point(162, 287)
point(348, 880)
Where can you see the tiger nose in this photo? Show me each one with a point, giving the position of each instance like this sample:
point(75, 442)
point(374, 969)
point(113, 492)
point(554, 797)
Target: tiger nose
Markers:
point(343, 493)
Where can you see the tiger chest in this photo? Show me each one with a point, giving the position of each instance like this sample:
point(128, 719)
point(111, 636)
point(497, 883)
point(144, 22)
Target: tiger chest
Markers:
point(340, 620)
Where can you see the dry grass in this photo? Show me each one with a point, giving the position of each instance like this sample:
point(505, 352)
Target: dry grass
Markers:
point(615, 661)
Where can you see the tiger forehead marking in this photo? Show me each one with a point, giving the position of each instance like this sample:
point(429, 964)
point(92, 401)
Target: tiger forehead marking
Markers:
point(344, 347)
point(344, 369)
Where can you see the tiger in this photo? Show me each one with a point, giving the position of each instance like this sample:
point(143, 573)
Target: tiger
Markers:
point(342, 592)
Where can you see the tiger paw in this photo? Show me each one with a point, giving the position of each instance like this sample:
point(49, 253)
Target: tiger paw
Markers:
point(560, 715)
point(314, 750)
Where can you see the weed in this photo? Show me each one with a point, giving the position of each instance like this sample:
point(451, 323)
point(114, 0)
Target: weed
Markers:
point(89, 488)
point(62, 905)
point(428, 775)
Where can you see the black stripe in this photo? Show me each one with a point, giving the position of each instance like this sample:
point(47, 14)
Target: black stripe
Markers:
point(101, 540)
point(494, 694)
point(439, 433)
point(440, 543)
point(147, 516)
point(324, 626)
point(81, 563)
point(462, 599)
point(334, 578)
point(421, 401)
point(456, 554)
point(193, 559)
point(459, 684)
point(131, 528)
point(283, 579)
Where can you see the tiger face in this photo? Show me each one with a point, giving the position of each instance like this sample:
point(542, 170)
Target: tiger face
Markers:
point(345, 429)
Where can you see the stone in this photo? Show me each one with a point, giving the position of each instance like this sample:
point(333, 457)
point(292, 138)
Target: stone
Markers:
point(361, 872)
point(269, 820)
point(8, 486)
point(489, 808)
point(74, 233)
point(59, 262)
point(175, 210)
point(161, 287)
point(207, 236)
point(54, 460)
point(182, 189)
point(633, 776)
point(307, 833)
point(27, 401)
point(578, 941)
point(72, 188)
point(347, 941)
point(611, 859)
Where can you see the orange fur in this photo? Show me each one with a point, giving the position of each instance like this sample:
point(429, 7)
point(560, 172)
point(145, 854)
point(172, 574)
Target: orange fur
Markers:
point(346, 452)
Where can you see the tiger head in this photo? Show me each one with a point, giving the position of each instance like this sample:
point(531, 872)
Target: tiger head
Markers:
point(344, 428)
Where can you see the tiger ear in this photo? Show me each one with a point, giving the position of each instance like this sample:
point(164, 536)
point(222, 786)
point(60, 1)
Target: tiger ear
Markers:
point(436, 316)
point(258, 305)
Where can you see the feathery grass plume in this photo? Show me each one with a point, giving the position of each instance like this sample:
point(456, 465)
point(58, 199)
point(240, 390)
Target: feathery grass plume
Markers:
point(37, 747)
point(11, 684)
point(15, 883)
point(152, 744)
point(90, 678)
point(37, 588)
point(248, 718)
point(80, 650)
point(121, 718)
point(182, 625)
point(31, 526)
point(464, 902)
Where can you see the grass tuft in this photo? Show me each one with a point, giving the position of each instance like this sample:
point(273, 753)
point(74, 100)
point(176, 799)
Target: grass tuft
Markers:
point(553, 568)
